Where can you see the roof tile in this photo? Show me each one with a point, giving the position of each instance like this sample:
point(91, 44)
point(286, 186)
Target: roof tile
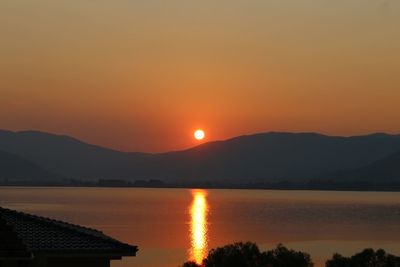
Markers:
point(40, 234)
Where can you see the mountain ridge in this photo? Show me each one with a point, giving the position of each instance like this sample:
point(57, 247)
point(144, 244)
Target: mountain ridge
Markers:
point(16, 168)
point(382, 170)
point(260, 157)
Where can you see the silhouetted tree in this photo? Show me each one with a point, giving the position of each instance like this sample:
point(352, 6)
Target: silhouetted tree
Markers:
point(249, 255)
point(338, 261)
point(283, 257)
point(234, 255)
point(366, 258)
point(190, 264)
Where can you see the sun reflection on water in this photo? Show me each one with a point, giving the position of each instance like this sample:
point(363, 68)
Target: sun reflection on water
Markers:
point(198, 230)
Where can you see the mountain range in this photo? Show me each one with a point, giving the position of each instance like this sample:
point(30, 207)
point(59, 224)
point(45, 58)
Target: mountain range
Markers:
point(383, 170)
point(258, 158)
point(13, 167)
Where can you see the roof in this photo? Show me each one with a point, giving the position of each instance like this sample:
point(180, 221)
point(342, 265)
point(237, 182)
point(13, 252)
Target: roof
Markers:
point(11, 246)
point(30, 233)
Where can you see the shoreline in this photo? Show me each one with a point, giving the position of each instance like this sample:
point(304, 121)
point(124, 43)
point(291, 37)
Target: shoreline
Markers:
point(194, 186)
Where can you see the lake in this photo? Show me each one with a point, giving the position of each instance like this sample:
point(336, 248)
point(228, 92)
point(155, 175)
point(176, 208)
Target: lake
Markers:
point(173, 225)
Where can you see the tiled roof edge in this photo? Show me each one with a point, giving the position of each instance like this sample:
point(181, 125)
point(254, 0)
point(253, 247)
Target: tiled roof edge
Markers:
point(71, 227)
point(22, 252)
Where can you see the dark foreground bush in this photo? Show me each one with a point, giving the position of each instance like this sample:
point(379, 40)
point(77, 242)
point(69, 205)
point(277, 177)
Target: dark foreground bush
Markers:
point(249, 255)
point(283, 257)
point(366, 258)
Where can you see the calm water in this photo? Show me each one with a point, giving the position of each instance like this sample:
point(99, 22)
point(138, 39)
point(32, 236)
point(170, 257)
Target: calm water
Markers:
point(173, 225)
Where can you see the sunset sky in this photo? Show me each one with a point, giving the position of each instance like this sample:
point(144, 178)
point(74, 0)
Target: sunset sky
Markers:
point(142, 75)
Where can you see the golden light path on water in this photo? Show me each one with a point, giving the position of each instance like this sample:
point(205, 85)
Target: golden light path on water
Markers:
point(198, 231)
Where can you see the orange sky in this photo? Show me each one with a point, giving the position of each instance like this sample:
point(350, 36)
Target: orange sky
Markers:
point(142, 75)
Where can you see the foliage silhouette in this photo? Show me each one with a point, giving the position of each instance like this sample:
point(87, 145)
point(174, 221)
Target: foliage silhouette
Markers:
point(366, 258)
point(283, 257)
point(249, 255)
point(190, 264)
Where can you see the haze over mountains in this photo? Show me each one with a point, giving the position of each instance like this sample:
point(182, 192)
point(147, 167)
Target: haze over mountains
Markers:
point(13, 167)
point(386, 169)
point(258, 158)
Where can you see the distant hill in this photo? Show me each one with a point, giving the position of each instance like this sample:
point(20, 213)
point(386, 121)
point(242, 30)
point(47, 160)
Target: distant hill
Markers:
point(67, 156)
point(383, 170)
point(261, 157)
point(270, 157)
point(15, 168)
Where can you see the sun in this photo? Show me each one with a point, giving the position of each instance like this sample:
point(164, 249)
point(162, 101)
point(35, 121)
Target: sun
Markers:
point(199, 134)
